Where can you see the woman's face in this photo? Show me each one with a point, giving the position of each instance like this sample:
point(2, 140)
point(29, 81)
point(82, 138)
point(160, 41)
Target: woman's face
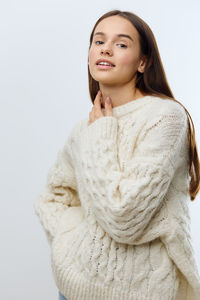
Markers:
point(121, 51)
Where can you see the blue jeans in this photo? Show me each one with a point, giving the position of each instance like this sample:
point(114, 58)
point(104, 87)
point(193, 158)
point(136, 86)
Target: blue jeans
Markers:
point(61, 297)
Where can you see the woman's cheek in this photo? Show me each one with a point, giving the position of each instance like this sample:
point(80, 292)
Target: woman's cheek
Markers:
point(127, 60)
point(92, 55)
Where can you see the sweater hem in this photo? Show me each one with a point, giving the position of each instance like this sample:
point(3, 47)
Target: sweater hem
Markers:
point(75, 287)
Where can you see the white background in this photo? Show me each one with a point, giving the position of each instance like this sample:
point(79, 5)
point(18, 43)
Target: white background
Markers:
point(44, 92)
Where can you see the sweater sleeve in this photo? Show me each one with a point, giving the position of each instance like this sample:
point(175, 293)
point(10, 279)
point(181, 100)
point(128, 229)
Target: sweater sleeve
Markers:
point(59, 198)
point(125, 201)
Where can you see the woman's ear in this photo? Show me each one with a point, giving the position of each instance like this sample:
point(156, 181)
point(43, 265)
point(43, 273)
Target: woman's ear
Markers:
point(142, 64)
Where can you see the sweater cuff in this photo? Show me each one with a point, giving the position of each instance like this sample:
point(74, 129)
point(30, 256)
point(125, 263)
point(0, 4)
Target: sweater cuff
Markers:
point(103, 127)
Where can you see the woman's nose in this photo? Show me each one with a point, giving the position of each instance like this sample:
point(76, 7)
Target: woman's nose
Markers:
point(107, 51)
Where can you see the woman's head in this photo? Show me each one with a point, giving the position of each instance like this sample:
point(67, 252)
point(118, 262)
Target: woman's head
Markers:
point(139, 63)
point(145, 67)
point(110, 43)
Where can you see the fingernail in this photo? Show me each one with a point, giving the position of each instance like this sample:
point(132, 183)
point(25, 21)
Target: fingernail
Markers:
point(108, 100)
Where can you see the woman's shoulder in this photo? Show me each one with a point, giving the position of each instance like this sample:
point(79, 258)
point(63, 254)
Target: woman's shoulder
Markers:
point(166, 106)
point(77, 128)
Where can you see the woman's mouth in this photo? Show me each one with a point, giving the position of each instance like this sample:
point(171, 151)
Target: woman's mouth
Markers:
point(101, 64)
point(105, 66)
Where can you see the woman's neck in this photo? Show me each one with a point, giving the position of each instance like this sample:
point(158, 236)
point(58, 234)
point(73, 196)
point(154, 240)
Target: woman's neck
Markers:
point(120, 95)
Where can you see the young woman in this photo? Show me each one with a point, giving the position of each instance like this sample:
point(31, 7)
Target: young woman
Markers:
point(115, 206)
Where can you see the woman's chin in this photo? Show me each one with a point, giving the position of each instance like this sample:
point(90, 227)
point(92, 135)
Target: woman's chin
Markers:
point(106, 81)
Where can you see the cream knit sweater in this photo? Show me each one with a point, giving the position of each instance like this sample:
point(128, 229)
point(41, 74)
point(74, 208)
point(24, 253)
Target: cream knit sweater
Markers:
point(115, 207)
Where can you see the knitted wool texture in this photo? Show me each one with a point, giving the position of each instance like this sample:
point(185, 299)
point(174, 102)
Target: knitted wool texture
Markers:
point(115, 207)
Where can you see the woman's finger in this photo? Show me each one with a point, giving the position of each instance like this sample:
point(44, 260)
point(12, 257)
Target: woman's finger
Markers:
point(97, 109)
point(92, 116)
point(97, 102)
point(108, 107)
point(97, 106)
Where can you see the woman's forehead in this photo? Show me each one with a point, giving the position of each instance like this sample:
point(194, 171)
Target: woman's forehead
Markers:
point(115, 25)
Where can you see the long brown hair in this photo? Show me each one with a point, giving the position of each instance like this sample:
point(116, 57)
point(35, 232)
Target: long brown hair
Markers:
point(154, 82)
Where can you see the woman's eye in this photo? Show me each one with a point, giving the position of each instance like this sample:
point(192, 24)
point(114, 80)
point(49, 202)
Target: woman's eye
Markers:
point(124, 46)
point(97, 42)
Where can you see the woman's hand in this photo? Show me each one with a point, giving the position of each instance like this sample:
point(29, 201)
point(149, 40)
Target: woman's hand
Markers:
point(96, 109)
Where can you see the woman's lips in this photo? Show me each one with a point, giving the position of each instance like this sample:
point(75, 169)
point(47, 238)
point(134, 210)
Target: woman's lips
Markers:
point(104, 67)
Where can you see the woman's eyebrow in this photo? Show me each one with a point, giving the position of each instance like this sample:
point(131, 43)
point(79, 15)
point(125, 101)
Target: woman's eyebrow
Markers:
point(119, 35)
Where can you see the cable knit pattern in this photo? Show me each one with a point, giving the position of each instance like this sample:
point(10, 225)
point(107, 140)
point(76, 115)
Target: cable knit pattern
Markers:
point(59, 193)
point(115, 207)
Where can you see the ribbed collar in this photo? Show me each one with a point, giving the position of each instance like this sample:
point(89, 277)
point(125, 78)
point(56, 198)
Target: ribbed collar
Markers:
point(130, 106)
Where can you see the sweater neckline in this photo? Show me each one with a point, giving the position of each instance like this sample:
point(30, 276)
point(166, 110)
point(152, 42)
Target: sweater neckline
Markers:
point(125, 108)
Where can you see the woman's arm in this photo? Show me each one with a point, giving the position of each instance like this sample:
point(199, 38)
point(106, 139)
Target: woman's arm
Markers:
point(59, 194)
point(124, 202)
